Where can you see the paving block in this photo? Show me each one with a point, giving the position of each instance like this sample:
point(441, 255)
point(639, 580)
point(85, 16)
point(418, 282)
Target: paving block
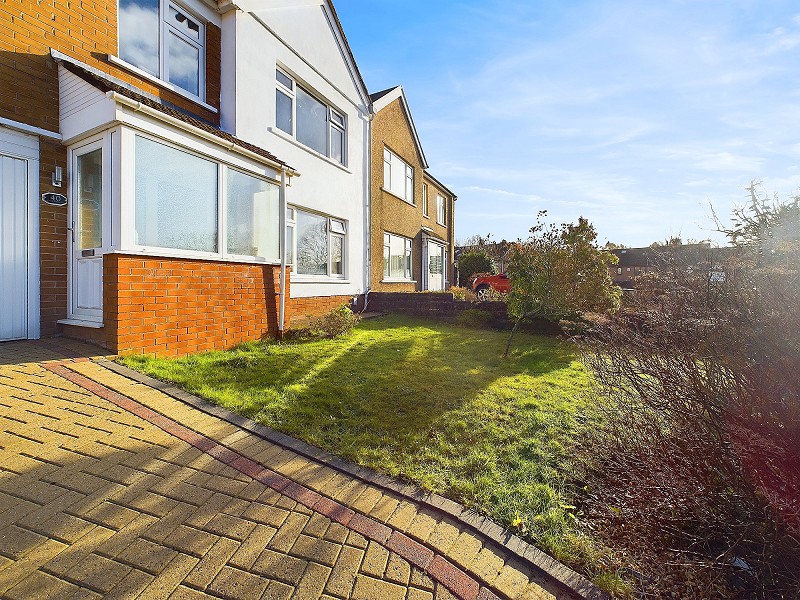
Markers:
point(368, 588)
point(211, 563)
point(443, 537)
point(235, 583)
point(511, 580)
point(98, 573)
point(286, 536)
point(316, 550)
point(278, 591)
point(345, 570)
point(276, 565)
point(252, 547)
point(41, 585)
point(312, 583)
point(375, 560)
point(398, 570)
point(147, 556)
point(15, 542)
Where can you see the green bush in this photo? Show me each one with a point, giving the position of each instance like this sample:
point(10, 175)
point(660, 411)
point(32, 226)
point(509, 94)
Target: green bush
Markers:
point(340, 321)
point(462, 293)
point(475, 261)
point(475, 318)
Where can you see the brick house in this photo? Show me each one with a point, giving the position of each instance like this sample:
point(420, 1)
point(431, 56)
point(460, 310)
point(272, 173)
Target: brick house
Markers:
point(143, 203)
point(412, 213)
point(634, 262)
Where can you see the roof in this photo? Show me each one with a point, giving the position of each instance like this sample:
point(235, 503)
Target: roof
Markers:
point(440, 185)
point(349, 50)
point(382, 99)
point(652, 256)
point(104, 84)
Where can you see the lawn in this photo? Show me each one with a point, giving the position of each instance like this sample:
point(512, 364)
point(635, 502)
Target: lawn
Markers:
point(431, 403)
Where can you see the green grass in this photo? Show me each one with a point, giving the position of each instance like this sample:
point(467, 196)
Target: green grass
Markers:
point(431, 403)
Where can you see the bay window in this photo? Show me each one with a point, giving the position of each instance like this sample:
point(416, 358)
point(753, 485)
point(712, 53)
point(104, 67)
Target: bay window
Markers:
point(163, 39)
point(396, 257)
point(310, 121)
point(179, 205)
point(316, 244)
point(398, 176)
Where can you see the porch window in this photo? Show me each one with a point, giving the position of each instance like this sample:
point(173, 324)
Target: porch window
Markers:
point(316, 244)
point(165, 40)
point(176, 198)
point(252, 216)
point(396, 257)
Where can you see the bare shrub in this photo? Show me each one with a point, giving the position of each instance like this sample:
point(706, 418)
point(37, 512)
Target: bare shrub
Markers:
point(694, 465)
point(340, 321)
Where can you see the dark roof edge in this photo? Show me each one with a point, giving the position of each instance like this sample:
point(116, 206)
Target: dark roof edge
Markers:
point(441, 185)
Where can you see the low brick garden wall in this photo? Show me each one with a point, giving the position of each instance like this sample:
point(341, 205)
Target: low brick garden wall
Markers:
point(443, 306)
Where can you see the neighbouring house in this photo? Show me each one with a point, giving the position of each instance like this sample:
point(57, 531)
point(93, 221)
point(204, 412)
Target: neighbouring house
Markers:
point(634, 262)
point(412, 213)
point(150, 162)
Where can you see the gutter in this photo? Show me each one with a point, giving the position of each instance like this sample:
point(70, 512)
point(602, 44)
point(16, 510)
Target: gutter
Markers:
point(201, 133)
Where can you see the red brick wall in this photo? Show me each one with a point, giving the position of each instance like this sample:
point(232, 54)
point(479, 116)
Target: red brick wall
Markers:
point(53, 240)
point(300, 310)
point(174, 306)
point(177, 306)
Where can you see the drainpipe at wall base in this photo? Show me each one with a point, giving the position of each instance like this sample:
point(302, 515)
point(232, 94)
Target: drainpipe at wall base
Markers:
point(282, 238)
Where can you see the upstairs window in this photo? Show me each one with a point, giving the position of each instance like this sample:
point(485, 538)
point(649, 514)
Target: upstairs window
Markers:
point(424, 199)
point(441, 210)
point(398, 176)
point(309, 120)
point(163, 39)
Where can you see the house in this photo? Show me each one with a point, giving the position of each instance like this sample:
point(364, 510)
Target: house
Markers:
point(634, 262)
point(151, 154)
point(412, 213)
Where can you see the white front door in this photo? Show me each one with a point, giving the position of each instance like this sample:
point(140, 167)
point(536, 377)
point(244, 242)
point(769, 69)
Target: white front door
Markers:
point(89, 233)
point(13, 248)
point(437, 263)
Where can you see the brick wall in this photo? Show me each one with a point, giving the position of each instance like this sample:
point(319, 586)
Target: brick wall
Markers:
point(175, 306)
point(300, 310)
point(445, 307)
point(53, 241)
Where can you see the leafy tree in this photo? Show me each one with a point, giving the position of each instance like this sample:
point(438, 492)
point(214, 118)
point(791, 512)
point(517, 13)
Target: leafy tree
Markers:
point(472, 262)
point(560, 272)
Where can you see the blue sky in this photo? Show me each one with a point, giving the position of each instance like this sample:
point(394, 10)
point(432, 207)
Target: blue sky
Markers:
point(634, 114)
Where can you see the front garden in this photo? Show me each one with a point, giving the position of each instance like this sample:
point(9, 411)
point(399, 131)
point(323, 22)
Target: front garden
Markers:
point(428, 402)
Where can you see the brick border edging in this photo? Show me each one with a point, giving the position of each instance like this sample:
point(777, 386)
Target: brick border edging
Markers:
point(560, 574)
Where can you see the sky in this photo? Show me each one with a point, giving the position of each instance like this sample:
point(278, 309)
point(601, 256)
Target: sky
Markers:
point(638, 115)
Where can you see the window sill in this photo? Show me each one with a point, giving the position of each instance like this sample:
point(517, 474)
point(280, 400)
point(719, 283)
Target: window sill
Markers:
point(283, 135)
point(397, 280)
point(318, 279)
point(426, 216)
point(159, 82)
point(170, 253)
point(81, 323)
point(391, 193)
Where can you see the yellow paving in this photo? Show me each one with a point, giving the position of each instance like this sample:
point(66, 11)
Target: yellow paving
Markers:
point(96, 502)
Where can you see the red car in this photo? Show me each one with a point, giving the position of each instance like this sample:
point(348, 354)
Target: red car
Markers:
point(483, 283)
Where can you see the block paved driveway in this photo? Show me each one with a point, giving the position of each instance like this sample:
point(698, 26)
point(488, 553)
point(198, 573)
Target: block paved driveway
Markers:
point(110, 488)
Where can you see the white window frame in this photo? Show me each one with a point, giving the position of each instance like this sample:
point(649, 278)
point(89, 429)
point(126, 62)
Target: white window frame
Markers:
point(291, 223)
point(392, 162)
point(408, 258)
point(129, 156)
point(163, 36)
point(441, 209)
point(337, 119)
point(425, 201)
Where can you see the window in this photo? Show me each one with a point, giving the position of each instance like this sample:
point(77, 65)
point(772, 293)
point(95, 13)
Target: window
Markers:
point(312, 122)
point(441, 212)
point(252, 216)
point(315, 243)
point(424, 199)
point(176, 198)
point(178, 204)
point(398, 176)
point(164, 40)
point(90, 200)
point(619, 271)
point(396, 257)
